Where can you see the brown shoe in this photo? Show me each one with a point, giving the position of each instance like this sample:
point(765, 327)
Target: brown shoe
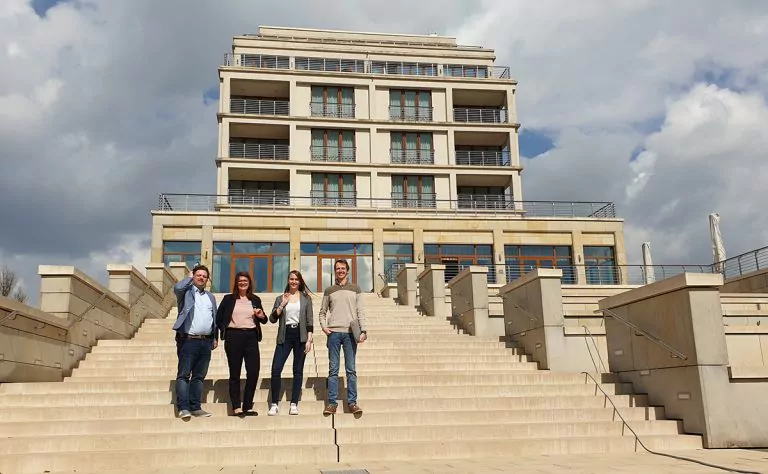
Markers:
point(355, 408)
point(329, 410)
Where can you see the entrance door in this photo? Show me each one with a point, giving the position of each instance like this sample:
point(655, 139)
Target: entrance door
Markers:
point(328, 275)
point(258, 268)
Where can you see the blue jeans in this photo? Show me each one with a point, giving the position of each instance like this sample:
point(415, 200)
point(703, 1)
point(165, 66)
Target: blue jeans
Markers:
point(336, 341)
point(194, 357)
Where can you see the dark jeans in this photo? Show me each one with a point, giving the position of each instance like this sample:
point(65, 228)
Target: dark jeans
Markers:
point(194, 357)
point(282, 351)
point(242, 344)
point(336, 341)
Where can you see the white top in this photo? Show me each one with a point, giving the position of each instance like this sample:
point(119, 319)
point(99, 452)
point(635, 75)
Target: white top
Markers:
point(292, 312)
point(202, 317)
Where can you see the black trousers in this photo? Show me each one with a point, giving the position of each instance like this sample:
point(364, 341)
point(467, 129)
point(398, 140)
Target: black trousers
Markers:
point(242, 345)
point(293, 345)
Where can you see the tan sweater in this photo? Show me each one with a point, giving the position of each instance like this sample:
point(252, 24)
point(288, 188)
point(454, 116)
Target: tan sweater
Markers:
point(345, 304)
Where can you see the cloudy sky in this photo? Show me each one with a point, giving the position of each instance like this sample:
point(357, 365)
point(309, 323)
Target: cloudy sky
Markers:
point(657, 105)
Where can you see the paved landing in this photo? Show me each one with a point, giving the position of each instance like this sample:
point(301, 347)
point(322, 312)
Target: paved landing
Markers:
point(736, 459)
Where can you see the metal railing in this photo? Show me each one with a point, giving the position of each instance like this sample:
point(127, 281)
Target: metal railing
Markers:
point(211, 202)
point(410, 113)
point(656, 340)
point(484, 201)
point(479, 115)
point(421, 200)
point(243, 105)
point(360, 66)
point(323, 109)
point(330, 65)
point(260, 151)
point(482, 158)
point(334, 198)
point(259, 197)
point(390, 274)
point(399, 156)
point(739, 265)
point(336, 154)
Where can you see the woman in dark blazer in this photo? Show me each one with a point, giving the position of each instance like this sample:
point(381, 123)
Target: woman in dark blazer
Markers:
point(294, 312)
point(239, 320)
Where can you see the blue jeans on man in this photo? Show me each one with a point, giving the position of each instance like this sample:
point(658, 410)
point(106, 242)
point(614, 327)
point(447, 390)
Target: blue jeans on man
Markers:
point(194, 358)
point(337, 341)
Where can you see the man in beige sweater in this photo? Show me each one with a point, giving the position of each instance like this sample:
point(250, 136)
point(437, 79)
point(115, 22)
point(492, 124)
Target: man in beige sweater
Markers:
point(345, 327)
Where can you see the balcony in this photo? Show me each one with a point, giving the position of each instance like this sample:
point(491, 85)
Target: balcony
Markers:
point(258, 151)
point(480, 115)
point(410, 113)
point(335, 154)
point(479, 72)
point(420, 201)
point(252, 106)
point(398, 156)
point(403, 69)
point(334, 198)
point(348, 201)
point(259, 197)
point(330, 65)
point(323, 109)
point(484, 201)
point(482, 158)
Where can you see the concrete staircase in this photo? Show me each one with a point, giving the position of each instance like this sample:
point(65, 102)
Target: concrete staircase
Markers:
point(428, 393)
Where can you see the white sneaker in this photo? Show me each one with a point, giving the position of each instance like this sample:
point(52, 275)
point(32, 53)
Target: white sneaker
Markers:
point(273, 410)
point(294, 410)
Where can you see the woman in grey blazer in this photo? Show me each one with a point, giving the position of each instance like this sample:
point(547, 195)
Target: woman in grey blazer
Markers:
point(294, 312)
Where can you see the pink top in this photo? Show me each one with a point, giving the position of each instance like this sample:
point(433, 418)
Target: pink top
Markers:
point(242, 315)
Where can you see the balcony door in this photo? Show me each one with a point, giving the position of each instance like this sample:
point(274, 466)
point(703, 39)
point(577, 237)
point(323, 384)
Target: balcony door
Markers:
point(413, 191)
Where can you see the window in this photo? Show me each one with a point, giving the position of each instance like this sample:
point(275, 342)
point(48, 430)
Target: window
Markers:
point(396, 255)
point(333, 189)
point(333, 145)
point(457, 257)
point(411, 148)
point(600, 266)
point(413, 191)
point(337, 102)
point(411, 105)
point(522, 259)
point(482, 197)
point(267, 263)
point(317, 264)
point(181, 251)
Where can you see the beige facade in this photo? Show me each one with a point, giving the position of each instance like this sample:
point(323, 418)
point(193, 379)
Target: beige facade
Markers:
point(371, 147)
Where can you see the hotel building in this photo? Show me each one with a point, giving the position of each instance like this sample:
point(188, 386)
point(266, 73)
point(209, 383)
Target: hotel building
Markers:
point(381, 149)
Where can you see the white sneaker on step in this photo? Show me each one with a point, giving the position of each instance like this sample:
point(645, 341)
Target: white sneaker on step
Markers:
point(273, 410)
point(294, 410)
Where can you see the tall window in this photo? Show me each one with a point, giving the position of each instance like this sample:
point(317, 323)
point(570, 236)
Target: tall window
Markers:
point(333, 145)
point(181, 251)
point(411, 148)
point(457, 257)
point(266, 262)
point(522, 259)
point(333, 189)
point(600, 265)
point(412, 105)
point(413, 191)
point(394, 256)
point(337, 102)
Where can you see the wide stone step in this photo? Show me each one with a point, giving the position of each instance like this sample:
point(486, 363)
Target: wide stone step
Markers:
point(498, 430)
point(498, 357)
point(366, 392)
point(409, 350)
point(211, 455)
point(441, 406)
point(384, 342)
point(392, 336)
point(483, 449)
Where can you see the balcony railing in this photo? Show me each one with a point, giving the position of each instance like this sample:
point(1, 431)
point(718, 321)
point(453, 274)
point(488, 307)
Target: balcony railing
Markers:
point(420, 201)
point(484, 201)
point(539, 209)
point(334, 198)
point(242, 105)
point(411, 157)
point(482, 158)
point(411, 113)
point(259, 197)
point(323, 109)
point(743, 264)
point(478, 115)
point(336, 154)
point(360, 66)
point(259, 151)
point(330, 65)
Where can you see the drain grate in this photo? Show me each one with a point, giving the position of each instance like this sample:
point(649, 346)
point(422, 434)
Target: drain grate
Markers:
point(347, 471)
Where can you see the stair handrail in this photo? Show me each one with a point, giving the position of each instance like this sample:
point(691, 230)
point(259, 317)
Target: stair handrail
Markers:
point(651, 337)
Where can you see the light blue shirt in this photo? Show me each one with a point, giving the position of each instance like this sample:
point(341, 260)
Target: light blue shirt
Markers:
point(202, 318)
